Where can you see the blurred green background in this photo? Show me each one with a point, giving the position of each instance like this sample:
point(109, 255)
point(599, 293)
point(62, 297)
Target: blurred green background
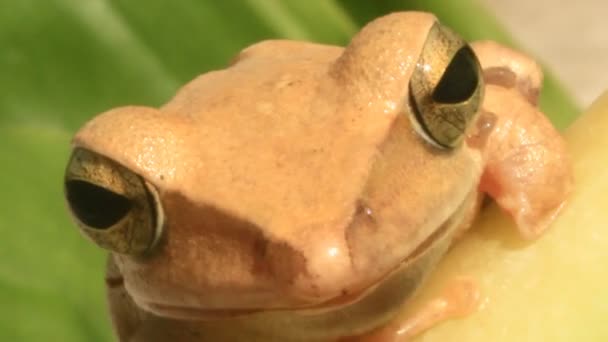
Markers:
point(63, 61)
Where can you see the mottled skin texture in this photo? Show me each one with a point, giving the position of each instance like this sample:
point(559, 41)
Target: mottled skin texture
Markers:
point(295, 186)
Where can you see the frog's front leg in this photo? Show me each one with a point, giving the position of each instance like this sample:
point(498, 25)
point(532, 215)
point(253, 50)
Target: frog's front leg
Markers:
point(527, 169)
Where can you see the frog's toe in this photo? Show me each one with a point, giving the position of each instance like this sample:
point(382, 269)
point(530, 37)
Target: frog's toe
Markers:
point(459, 298)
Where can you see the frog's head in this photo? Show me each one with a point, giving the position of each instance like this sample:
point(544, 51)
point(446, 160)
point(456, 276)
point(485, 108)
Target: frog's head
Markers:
point(299, 177)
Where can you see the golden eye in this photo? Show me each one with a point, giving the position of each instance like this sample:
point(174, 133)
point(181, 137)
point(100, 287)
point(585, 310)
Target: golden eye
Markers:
point(113, 206)
point(446, 88)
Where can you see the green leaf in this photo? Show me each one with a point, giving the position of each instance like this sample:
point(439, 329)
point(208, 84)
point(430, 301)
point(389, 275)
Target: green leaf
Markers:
point(63, 61)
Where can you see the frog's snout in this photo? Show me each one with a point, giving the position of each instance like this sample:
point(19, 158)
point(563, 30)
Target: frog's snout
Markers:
point(114, 207)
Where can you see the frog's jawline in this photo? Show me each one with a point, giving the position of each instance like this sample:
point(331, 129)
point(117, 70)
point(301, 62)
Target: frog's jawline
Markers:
point(406, 278)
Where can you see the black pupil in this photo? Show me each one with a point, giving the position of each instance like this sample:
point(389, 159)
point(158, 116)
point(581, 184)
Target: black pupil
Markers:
point(460, 78)
point(95, 206)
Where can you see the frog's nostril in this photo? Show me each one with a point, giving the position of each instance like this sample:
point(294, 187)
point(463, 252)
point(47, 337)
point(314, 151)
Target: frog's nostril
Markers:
point(94, 205)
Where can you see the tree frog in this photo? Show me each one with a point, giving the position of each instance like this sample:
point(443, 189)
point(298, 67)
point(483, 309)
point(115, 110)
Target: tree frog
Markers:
point(304, 192)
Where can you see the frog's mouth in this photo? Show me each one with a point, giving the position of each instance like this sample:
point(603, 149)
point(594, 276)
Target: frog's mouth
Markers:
point(386, 294)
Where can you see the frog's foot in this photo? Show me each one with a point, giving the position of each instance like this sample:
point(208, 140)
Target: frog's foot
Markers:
point(528, 170)
point(460, 298)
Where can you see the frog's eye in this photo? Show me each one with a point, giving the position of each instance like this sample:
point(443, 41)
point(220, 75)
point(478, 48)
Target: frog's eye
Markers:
point(113, 206)
point(446, 88)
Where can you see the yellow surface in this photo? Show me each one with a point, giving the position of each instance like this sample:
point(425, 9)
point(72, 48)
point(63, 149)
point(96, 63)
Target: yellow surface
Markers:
point(555, 288)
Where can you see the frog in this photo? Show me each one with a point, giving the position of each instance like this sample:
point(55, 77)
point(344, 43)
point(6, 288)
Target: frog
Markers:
point(306, 191)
